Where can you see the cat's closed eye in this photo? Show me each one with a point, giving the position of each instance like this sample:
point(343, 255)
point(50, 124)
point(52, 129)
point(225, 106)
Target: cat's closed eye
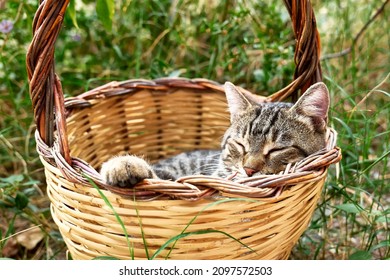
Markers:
point(286, 154)
point(236, 147)
point(275, 151)
point(240, 146)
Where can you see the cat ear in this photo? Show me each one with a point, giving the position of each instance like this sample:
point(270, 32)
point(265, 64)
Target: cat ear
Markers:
point(314, 103)
point(237, 100)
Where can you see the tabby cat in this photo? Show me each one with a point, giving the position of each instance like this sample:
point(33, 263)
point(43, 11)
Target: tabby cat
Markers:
point(262, 139)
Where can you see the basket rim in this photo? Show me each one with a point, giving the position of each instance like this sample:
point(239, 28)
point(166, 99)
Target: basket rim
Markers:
point(190, 187)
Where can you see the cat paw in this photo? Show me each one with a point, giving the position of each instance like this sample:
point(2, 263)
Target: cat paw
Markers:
point(126, 171)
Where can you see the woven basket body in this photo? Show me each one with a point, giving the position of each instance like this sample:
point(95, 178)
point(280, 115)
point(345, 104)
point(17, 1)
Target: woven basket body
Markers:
point(215, 218)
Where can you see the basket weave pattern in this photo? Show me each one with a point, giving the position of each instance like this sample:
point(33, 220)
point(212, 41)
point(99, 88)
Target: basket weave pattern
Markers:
point(158, 119)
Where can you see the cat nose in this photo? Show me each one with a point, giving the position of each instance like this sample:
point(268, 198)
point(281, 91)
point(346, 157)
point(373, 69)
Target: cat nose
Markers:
point(249, 171)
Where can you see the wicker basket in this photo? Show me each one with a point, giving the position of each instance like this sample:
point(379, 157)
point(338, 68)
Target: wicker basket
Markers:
point(260, 218)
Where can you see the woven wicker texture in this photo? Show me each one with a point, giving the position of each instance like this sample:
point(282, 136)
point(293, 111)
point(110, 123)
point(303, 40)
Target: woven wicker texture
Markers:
point(158, 119)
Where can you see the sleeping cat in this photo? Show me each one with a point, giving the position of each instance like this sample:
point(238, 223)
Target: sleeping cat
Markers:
point(262, 139)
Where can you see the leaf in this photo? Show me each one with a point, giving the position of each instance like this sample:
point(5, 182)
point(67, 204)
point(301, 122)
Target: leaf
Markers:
point(384, 243)
point(105, 258)
point(13, 179)
point(360, 255)
point(30, 238)
point(382, 219)
point(105, 12)
point(177, 73)
point(21, 200)
point(350, 208)
point(118, 51)
point(72, 12)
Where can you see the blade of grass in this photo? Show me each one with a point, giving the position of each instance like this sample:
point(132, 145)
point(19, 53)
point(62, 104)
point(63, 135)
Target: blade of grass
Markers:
point(206, 207)
point(105, 258)
point(118, 218)
point(199, 232)
point(375, 162)
point(142, 232)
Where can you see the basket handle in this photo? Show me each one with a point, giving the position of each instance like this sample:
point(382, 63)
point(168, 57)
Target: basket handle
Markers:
point(46, 91)
point(45, 86)
point(307, 50)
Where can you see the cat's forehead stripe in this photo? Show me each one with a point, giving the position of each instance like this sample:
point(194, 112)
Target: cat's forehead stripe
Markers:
point(275, 134)
point(263, 121)
point(271, 122)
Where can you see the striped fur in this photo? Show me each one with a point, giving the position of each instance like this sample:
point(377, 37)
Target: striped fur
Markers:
point(262, 139)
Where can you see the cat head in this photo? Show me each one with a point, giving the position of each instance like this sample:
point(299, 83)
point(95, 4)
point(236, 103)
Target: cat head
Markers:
point(264, 137)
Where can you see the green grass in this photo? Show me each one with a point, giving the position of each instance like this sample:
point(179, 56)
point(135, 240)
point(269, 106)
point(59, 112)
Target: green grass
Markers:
point(247, 42)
